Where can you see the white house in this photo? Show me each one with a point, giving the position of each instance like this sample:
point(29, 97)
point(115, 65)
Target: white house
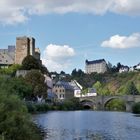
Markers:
point(91, 92)
point(137, 67)
point(77, 88)
point(124, 69)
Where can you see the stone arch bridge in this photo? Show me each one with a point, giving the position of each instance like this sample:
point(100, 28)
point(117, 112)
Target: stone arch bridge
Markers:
point(99, 102)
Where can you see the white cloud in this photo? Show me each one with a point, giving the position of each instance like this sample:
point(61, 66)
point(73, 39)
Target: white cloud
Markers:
point(123, 42)
point(57, 57)
point(16, 11)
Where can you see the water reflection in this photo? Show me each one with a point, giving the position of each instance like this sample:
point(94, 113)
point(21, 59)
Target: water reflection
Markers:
point(89, 125)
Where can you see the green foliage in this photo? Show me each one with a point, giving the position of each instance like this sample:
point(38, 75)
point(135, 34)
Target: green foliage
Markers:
point(98, 87)
point(10, 70)
point(36, 80)
point(29, 62)
point(131, 89)
point(115, 105)
point(85, 91)
point(111, 82)
point(77, 73)
point(36, 107)
point(71, 104)
point(16, 86)
point(15, 123)
point(136, 108)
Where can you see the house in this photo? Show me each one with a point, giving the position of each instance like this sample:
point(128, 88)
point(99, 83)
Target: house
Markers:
point(124, 69)
point(77, 88)
point(63, 90)
point(99, 66)
point(137, 67)
point(7, 56)
point(91, 92)
point(131, 69)
point(49, 83)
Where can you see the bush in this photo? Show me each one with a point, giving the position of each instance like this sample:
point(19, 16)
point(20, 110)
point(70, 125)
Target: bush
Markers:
point(116, 105)
point(36, 107)
point(15, 122)
point(136, 108)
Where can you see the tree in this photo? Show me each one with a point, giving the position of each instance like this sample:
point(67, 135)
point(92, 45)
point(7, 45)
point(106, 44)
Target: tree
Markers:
point(44, 70)
point(37, 80)
point(29, 62)
point(118, 66)
point(62, 72)
point(77, 73)
point(18, 86)
point(74, 72)
point(15, 122)
point(98, 87)
point(131, 89)
point(11, 70)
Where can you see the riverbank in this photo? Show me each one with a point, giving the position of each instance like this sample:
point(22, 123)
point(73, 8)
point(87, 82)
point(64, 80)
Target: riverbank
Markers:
point(72, 104)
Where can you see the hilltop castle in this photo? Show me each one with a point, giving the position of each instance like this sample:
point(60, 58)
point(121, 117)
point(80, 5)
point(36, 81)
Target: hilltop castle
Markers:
point(15, 54)
point(99, 66)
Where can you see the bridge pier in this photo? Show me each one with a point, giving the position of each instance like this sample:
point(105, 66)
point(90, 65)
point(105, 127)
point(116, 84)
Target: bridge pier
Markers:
point(129, 105)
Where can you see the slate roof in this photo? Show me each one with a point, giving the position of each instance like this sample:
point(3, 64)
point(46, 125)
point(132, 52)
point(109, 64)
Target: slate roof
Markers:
point(66, 85)
point(7, 56)
point(95, 61)
point(74, 85)
point(6, 59)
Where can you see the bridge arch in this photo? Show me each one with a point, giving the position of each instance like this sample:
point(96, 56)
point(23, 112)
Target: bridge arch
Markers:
point(113, 98)
point(88, 104)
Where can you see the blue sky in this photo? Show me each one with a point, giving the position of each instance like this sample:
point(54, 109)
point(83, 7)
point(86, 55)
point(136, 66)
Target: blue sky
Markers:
point(67, 33)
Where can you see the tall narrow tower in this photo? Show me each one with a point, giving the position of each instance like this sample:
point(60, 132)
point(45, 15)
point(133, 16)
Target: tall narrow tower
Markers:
point(22, 49)
point(32, 46)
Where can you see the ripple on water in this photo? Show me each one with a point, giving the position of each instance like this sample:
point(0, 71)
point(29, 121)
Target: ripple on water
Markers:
point(89, 125)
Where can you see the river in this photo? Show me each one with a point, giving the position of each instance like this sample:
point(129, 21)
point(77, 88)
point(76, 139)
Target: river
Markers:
point(89, 125)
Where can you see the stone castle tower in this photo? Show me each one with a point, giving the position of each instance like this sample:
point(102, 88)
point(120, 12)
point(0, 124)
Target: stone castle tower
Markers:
point(25, 46)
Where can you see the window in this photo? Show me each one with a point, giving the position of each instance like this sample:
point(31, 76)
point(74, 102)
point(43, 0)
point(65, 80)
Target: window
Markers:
point(61, 96)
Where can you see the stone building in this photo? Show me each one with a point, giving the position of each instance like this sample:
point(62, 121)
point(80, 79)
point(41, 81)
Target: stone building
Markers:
point(25, 46)
point(99, 66)
point(63, 90)
point(14, 55)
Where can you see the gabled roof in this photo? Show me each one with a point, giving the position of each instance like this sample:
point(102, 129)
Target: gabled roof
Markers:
point(66, 85)
point(95, 61)
point(75, 85)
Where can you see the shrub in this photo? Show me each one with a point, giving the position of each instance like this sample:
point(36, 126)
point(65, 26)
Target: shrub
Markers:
point(136, 108)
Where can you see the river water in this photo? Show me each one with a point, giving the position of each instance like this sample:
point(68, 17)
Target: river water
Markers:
point(89, 125)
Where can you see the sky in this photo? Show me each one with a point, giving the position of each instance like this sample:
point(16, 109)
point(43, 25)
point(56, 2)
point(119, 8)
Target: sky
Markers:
point(69, 32)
